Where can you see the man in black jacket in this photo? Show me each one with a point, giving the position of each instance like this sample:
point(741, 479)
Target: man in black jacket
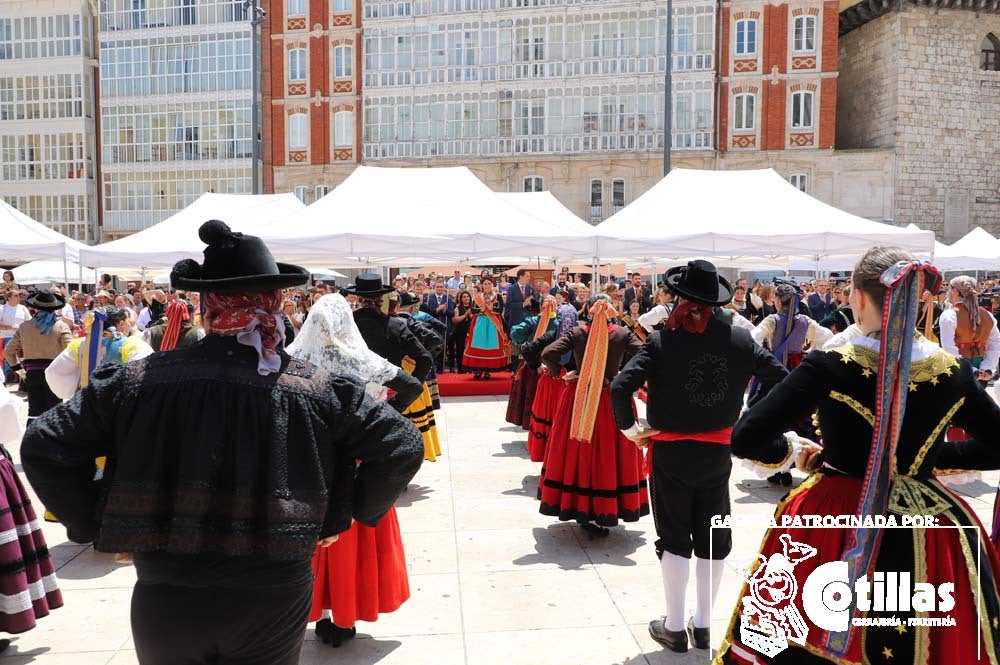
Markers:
point(639, 291)
point(697, 369)
point(224, 468)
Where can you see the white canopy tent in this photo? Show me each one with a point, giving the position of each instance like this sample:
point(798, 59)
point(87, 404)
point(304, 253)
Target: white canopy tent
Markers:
point(433, 213)
point(976, 250)
point(24, 239)
point(51, 272)
point(176, 238)
point(741, 214)
point(544, 205)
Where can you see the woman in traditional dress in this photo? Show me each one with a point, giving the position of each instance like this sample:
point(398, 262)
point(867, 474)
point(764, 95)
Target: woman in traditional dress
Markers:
point(363, 573)
point(27, 576)
point(884, 400)
point(591, 472)
point(549, 390)
point(525, 384)
point(786, 335)
point(486, 348)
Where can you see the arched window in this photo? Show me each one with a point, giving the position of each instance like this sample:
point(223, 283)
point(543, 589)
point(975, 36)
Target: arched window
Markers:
point(744, 110)
point(342, 61)
point(297, 64)
point(990, 60)
point(343, 129)
point(298, 125)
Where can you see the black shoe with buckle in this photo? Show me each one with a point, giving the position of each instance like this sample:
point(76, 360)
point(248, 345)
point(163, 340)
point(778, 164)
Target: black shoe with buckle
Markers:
point(675, 640)
point(699, 636)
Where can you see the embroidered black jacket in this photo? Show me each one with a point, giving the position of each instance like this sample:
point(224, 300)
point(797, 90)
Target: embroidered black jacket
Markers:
point(205, 455)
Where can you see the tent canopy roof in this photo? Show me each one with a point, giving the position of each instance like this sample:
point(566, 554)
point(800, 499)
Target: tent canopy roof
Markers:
point(176, 238)
point(435, 213)
point(741, 213)
point(976, 250)
point(24, 239)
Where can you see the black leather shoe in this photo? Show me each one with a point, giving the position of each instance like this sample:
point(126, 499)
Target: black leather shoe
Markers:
point(324, 630)
point(675, 640)
point(699, 636)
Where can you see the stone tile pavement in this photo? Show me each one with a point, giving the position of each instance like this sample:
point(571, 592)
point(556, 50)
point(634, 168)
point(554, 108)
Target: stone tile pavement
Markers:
point(492, 581)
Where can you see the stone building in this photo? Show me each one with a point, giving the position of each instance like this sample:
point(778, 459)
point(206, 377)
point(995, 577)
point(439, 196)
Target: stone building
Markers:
point(922, 80)
point(312, 94)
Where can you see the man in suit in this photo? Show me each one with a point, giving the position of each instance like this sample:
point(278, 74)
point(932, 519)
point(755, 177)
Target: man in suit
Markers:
point(519, 296)
point(821, 303)
point(442, 307)
point(563, 285)
point(641, 292)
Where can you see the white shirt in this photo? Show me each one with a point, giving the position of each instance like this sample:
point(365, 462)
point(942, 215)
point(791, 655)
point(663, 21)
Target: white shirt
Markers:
point(949, 323)
point(849, 333)
point(12, 316)
point(652, 317)
point(816, 335)
point(144, 319)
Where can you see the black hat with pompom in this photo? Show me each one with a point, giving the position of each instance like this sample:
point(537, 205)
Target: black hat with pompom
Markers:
point(234, 262)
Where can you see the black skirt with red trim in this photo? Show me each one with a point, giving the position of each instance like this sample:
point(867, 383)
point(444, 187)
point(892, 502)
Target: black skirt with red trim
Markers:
point(601, 481)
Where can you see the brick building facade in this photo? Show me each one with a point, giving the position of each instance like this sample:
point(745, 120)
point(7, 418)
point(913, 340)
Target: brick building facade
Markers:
point(778, 75)
point(922, 81)
point(311, 95)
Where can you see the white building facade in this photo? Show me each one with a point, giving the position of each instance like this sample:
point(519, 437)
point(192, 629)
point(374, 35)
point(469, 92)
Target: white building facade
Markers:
point(539, 90)
point(175, 106)
point(47, 113)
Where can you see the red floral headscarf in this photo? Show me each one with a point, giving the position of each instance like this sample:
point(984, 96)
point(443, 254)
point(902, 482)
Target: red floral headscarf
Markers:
point(253, 318)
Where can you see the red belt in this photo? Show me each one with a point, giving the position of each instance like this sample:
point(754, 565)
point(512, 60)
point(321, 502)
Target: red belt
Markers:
point(720, 436)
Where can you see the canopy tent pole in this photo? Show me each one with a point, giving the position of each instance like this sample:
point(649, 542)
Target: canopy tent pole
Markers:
point(65, 272)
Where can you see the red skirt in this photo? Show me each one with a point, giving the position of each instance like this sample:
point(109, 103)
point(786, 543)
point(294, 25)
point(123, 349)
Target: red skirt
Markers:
point(543, 408)
point(361, 575)
point(28, 586)
point(522, 394)
point(934, 555)
point(601, 481)
point(485, 355)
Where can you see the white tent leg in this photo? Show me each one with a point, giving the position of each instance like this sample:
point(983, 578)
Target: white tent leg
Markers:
point(65, 274)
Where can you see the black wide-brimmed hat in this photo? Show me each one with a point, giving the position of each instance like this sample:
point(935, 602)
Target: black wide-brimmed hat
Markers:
point(234, 262)
point(407, 299)
point(699, 282)
point(45, 301)
point(368, 284)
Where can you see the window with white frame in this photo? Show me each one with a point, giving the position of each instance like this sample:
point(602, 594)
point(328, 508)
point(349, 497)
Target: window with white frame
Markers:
point(596, 200)
point(343, 133)
point(805, 34)
point(321, 191)
point(802, 110)
point(746, 37)
point(617, 195)
point(342, 62)
point(298, 130)
point(534, 183)
point(744, 112)
point(296, 7)
point(341, 6)
point(799, 180)
point(302, 193)
point(297, 64)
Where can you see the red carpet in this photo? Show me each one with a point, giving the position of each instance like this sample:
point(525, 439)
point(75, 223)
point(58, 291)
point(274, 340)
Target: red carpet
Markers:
point(463, 385)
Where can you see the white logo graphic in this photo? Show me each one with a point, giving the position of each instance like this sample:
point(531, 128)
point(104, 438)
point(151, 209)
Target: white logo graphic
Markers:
point(770, 618)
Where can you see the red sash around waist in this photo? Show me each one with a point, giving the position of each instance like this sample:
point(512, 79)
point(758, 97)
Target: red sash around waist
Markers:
point(720, 436)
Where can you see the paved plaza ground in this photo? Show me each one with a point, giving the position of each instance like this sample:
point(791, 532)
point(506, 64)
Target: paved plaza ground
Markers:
point(492, 581)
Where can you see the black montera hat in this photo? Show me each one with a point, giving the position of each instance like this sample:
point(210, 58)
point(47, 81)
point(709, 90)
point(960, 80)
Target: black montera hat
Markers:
point(699, 282)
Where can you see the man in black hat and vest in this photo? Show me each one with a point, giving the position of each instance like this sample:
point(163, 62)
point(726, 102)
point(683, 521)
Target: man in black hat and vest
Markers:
point(35, 344)
point(388, 336)
point(697, 369)
point(222, 470)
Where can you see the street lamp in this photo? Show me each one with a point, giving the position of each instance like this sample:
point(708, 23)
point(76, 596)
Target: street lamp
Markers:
point(257, 14)
point(668, 92)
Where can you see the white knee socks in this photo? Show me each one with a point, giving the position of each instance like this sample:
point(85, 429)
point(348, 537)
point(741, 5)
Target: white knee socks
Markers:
point(675, 578)
point(708, 577)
